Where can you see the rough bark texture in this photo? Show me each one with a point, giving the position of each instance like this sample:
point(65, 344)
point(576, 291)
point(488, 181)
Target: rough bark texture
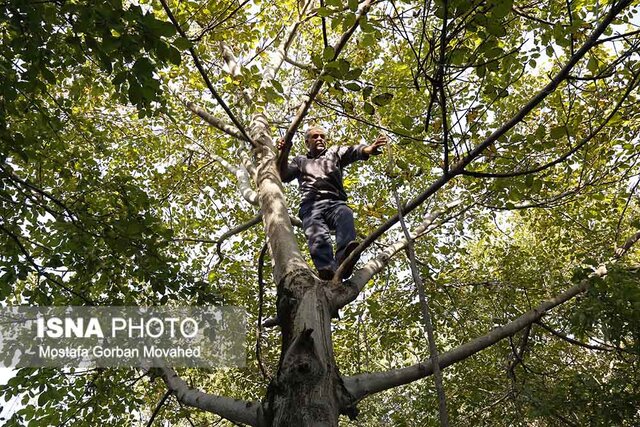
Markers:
point(308, 389)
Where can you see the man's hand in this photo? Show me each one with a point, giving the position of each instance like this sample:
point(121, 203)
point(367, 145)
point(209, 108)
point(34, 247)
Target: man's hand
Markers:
point(280, 143)
point(373, 149)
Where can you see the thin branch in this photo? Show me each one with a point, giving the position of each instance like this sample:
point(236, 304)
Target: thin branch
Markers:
point(619, 36)
point(571, 340)
point(621, 251)
point(158, 408)
point(459, 167)
point(205, 77)
point(263, 252)
point(569, 153)
point(363, 385)
point(307, 67)
point(424, 304)
point(348, 291)
point(236, 230)
point(39, 269)
point(280, 54)
point(624, 210)
point(317, 85)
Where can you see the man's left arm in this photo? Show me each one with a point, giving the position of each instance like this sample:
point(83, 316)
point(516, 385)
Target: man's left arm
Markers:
point(348, 155)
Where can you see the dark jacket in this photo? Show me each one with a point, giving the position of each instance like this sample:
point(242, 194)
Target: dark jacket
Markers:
point(320, 177)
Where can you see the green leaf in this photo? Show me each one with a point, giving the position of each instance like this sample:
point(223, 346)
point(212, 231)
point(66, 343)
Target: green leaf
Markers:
point(182, 43)
point(353, 5)
point(349, 21)
point(366, 92)
point(277, 86)
point(369, 109)
point(328, 53)
point(557, 132)
point(353, 86)
point(353, 73)
point(323, 12)
point(495, 28)
point(407, 122)
point(366, 26)
point(174, 55)
point(501, 8)
point(382, 99)
point(317, 61)
point(367, 40)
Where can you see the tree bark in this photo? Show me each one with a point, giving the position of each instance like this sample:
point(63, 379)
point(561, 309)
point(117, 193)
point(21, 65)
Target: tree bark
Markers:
point(308, 389)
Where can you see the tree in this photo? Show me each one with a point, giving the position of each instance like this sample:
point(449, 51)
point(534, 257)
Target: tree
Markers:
point(515, 151)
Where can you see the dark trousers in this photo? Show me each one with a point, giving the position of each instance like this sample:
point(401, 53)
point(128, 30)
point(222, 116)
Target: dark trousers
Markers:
point(319, 218)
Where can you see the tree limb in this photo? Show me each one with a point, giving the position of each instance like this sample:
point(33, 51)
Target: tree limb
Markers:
point(424, 302)
point(158, 408)
point(235, 410)
point(215, 122)
point(317, 85)
point(459, 167)
point(621, 251)
point(569, 153)
point(363, 385)
point(281, 53)
point(348, 291)
point(205, 77)
point(571, 340)
point(242, 175)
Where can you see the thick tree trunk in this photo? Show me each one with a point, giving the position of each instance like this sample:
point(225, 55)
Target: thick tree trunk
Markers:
point(308, 389)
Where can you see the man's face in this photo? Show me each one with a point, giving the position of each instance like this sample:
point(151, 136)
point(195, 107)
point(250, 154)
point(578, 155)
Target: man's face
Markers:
point(316, 140)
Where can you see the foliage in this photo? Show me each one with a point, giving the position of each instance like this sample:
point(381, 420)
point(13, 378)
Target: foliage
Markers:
point(110, 192)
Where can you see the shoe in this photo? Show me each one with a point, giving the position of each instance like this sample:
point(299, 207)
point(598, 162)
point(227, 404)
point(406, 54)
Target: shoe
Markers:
point(348, 270)
point(326, 273)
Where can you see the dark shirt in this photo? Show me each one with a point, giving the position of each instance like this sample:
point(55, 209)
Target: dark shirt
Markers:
point(320, 177)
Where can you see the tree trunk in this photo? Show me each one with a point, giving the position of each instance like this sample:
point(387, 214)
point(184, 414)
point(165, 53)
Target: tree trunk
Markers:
point(308, 389)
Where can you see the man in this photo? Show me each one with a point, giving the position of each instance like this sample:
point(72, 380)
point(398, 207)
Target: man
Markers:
point(323, 207)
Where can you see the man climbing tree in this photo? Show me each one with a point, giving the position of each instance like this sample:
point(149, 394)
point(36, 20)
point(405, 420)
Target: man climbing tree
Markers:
point(323, 207)
point(514, 177)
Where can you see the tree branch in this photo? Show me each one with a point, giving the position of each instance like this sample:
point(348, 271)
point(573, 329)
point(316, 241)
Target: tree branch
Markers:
point(569, 153)
point(458, 168)
point(39, 269)
point(215, 122)
point(571, 340)
point(158, 408)
point(621, 251)
point(281, 53)
point(242, 175)
point(317, 85)
point(363, 385)
point(424, 303)
point(349, 290)
point(235, 410)
point(205, 77)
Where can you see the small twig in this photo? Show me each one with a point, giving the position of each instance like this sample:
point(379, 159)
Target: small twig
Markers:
point(424, 304)
point(571, 340)
point(159, 407)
